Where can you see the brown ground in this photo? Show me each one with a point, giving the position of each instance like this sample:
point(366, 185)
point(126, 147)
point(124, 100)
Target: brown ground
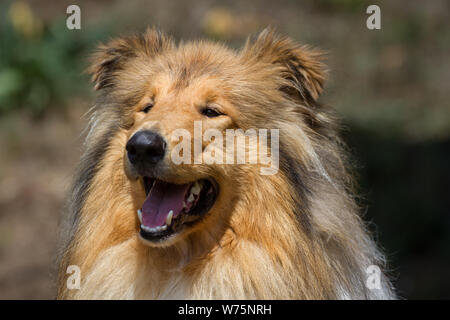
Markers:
point(36, 164)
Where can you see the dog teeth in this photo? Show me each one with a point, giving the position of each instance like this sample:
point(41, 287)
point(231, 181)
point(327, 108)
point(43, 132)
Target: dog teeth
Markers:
point(155, 229)
point(195, 191)
point(159, 228)
point(196, 188)
point(190, 198)
point(169, 218)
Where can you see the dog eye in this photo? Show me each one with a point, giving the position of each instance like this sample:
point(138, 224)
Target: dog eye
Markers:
point(147, 108)
point(210, 113)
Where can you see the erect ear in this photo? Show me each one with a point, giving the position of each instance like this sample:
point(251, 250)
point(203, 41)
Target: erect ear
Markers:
point(301, 67)
point(111, 58)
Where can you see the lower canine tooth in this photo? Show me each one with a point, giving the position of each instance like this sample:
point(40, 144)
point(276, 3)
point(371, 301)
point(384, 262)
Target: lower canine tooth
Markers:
point(169, 218)
point(139, 213)
point(196, 188)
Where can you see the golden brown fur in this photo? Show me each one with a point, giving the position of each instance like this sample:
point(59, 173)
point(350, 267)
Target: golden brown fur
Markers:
point(294, 235)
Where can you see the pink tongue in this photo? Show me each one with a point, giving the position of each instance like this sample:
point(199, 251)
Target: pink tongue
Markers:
point(162, 198)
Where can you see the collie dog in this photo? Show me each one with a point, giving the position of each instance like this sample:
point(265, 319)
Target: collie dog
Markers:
point(140, 225)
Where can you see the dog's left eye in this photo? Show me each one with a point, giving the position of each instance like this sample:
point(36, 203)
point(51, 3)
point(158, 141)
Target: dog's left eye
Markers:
point(210, 113)
point(147, 108)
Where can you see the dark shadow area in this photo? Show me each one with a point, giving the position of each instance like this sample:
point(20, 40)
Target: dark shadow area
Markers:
point(406, 189)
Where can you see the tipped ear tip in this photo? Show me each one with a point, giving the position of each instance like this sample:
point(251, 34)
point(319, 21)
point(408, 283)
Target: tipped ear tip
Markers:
point(113, 56)
point(305, 63)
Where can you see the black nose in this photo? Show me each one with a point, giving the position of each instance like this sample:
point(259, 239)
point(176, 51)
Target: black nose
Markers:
point(145, 147)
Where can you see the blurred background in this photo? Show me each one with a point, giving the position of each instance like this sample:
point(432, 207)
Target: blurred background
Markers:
point(390, 87)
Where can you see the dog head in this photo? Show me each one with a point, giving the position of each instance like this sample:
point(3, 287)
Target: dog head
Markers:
point(178, 105)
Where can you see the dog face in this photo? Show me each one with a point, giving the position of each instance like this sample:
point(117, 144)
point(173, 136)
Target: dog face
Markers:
point(178, 195)
point(168, 99)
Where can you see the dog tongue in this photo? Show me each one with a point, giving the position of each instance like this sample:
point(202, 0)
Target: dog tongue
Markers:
point(162, 198)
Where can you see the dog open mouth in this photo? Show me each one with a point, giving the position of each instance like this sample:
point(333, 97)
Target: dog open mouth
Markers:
point(169, 207)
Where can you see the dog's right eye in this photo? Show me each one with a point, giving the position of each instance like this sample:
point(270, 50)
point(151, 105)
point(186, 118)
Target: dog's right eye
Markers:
point(210, 112)
point(147, 108)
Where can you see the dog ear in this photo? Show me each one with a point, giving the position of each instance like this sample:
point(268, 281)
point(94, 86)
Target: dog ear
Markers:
point(301, 66)
point(110, 58)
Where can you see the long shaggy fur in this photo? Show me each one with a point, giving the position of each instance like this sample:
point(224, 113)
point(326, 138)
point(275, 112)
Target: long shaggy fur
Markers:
point(293, 235)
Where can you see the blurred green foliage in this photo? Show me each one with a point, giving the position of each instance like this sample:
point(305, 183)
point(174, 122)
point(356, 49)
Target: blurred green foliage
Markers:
point(40, 65)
